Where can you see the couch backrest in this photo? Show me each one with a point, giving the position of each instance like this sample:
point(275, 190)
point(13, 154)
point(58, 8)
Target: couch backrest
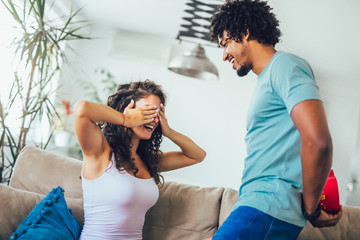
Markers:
point(228, 199)
point(184, 212)
point(39, 171)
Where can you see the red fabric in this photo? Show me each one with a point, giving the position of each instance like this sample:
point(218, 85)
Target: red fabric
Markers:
point(329, 200)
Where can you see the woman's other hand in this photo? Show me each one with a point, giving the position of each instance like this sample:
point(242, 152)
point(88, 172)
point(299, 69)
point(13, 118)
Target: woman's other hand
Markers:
point(139, 116)
point(163, 121)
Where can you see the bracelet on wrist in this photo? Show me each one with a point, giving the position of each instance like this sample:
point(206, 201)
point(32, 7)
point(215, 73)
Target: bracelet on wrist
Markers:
point(122, 114)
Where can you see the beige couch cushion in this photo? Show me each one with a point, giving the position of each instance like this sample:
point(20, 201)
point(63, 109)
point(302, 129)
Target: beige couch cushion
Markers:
point(229, 198)
point(39, 171)
point(347, 228)
point(183, 212)
point(16, 204)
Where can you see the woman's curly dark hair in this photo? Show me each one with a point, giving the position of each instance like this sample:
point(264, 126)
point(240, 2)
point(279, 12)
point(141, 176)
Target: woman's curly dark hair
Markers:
point(119, 137)
point(239, 16)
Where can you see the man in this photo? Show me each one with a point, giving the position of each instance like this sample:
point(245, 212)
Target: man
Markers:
point(288, 141)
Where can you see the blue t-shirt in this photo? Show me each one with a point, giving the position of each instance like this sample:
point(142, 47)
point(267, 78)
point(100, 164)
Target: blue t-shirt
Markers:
point(272, 177)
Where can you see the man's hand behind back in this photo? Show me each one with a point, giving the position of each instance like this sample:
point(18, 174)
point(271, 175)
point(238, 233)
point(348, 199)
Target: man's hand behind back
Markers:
point(327, 219)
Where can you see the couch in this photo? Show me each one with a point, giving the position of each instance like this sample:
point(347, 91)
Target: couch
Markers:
point(182, 211)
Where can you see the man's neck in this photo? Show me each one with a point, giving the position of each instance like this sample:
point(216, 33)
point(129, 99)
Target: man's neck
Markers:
point(261, 56)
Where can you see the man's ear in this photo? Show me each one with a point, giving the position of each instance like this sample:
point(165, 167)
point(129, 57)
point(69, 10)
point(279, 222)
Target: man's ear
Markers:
point(246, 37)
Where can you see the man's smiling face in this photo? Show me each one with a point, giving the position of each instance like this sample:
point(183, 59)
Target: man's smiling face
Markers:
point(236, 53)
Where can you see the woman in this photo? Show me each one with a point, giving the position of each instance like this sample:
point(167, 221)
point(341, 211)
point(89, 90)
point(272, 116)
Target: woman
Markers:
point(122, 159)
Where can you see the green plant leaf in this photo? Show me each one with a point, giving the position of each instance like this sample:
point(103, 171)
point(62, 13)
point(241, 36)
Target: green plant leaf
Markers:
point(68, 22)
point(52, 108)
point(1, 110)
point(41, 8)
point(32, 8)
point(2, 139)
point(48, 140)
point(11, 147)
point(11, 8)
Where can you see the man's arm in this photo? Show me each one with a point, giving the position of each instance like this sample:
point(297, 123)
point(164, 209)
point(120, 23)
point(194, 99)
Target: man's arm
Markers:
point(316, 156)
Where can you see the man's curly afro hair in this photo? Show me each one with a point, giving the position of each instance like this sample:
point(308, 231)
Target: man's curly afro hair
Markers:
point(239, 16)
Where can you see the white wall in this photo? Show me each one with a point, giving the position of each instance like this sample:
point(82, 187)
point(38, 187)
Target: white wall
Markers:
point(213, 112)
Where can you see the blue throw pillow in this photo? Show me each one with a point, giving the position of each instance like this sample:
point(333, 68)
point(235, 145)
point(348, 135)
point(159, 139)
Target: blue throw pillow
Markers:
point(50, 219)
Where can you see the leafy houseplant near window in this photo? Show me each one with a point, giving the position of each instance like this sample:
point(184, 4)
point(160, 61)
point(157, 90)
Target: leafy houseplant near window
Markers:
point(108, 83)
point(63, 132)
point(40, 50)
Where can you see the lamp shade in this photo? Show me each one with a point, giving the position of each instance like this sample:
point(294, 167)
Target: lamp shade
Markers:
point(194, 64)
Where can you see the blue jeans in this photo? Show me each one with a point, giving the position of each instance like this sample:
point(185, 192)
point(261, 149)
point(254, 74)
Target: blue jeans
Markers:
point(250, 223)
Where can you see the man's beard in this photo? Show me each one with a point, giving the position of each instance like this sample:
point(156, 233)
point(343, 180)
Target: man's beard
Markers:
point(244, 70)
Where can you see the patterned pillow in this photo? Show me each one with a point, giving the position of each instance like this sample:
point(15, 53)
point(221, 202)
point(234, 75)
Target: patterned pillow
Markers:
point(50, 219)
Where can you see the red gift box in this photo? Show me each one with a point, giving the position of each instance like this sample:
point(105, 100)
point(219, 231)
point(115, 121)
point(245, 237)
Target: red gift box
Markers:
point(329, 200)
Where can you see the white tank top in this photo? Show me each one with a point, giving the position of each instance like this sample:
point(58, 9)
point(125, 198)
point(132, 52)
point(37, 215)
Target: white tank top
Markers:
point(115, 205)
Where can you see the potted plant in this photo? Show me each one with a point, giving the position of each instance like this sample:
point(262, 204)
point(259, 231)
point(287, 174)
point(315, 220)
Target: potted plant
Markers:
point(40, 51)
point(63, 134)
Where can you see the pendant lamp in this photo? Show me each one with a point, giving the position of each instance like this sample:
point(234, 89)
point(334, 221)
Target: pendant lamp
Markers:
point(194, 64)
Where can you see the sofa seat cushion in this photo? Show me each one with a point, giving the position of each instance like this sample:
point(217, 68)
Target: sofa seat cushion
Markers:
point(183, 212)
point(16, 204)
